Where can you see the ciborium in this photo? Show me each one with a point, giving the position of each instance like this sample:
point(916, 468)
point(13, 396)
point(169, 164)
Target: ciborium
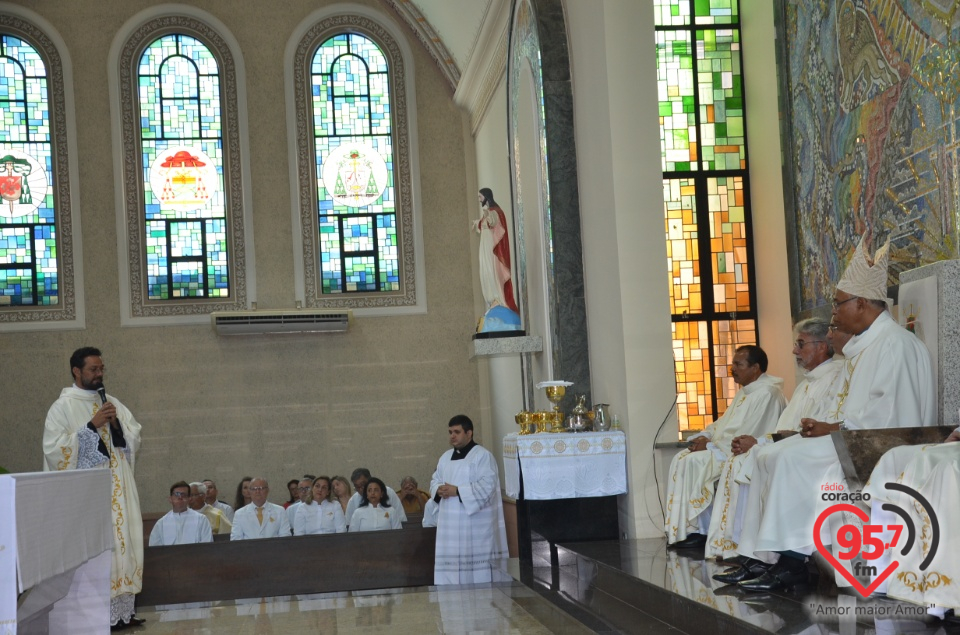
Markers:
point(555, 391)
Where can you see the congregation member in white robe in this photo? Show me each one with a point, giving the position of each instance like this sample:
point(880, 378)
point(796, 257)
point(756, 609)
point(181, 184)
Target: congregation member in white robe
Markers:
point(359, 479)
point(304, 496)
point(261, 518)
point(181, 525)
point(211, 499)
point(886, 382)
point(375, 512)
point(471, 535)
point(813, 351)
point(932, 470)
point(86, 428)
point(322, 515)
point(198, 503)
point(754, 411)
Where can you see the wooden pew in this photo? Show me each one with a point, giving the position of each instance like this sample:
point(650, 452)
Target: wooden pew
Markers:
point(288, 566)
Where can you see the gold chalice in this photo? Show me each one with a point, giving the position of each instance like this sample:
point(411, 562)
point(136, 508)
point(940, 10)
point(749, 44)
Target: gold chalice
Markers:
point(525, 420)
point(555, 391)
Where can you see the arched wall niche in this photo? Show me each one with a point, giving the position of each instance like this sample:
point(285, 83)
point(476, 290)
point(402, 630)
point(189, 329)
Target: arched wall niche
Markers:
point(545, 197)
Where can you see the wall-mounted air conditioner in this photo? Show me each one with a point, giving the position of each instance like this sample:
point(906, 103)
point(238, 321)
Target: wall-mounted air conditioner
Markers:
point(283, 321)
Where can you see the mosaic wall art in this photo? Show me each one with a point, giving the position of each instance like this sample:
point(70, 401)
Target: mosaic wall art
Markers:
point(871, 127)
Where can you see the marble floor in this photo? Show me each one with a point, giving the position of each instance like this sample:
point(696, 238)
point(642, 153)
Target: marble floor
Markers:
point(607, 587)
point(639, 582)
point(498, 608)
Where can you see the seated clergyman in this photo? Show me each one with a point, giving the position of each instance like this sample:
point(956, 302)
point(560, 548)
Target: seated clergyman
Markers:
point(181, 525)
point(260, 519)
point(219, 522)
point(211, 498)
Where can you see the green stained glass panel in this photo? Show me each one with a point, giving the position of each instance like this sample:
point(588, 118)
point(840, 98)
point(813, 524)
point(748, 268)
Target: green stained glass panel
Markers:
point(675, 93)
point(719, 83)
point(716, 11)
point(671, 12)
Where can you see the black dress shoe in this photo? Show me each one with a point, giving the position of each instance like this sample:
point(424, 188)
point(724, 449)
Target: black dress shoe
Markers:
point(750, 570)
point(777, 579)
point(135, 621)
point(693, 541)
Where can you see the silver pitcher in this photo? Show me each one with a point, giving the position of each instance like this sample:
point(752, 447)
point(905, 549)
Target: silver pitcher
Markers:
point(601, 418)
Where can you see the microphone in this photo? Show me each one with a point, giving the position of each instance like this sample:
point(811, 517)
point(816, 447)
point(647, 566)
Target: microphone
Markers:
point(103, 395)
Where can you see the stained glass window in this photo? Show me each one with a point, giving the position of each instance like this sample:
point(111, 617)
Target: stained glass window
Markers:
point(29, 271)
point(706, 207)
point(355, 168)
point(181, 129)
point(187, 253)
point(357, 216)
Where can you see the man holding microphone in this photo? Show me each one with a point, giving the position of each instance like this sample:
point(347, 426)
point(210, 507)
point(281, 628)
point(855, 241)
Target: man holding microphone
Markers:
point(86, 429)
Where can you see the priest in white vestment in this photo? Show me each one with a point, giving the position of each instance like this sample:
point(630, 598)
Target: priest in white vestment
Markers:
point(261, 518)
point(813, 351)
point(86, 428)
point(930, 469)
point(181, 525)
point(754, 411)
point(219, 523)
point(886, 382)
point(211, 499)
point(471, 535)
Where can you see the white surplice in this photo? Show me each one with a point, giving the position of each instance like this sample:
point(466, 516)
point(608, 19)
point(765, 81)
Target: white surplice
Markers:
point(471, 535)
point(810, 399)
point(910, 465)
point(935, 474)
point(186, 528)
point(755, 410)
point(68, 444)
point(325, 517)
point(886, 382)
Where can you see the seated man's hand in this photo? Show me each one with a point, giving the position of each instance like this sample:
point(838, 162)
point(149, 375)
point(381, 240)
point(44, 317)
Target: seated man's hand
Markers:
point(699, 444)
point(810, 428)
point(742, 444)
point(954, 436)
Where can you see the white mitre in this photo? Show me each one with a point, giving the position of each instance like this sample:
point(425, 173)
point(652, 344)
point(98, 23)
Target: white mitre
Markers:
point(866, 279)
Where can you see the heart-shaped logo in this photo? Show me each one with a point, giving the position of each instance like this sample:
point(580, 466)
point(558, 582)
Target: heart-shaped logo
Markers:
point(826, 553)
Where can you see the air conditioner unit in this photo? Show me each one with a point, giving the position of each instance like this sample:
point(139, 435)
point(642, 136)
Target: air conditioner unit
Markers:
point(284, 321)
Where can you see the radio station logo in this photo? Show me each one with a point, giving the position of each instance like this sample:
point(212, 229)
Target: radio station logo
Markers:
point(869, 544)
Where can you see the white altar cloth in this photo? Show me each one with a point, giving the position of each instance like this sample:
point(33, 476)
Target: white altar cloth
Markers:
point(565, 465)
point(55, 544)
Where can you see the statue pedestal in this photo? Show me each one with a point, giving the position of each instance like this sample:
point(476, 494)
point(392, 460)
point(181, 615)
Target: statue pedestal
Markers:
point(931, 295)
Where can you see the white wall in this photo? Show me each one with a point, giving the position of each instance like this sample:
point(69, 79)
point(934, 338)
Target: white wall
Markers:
point(766, 188)
point(618, 151)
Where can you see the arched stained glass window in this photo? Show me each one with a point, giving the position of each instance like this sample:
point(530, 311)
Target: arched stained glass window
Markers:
point(28, 233)
point(182, 145)
point(186, 216)
point(354, 167)
point(354, 150)
point(36, 255)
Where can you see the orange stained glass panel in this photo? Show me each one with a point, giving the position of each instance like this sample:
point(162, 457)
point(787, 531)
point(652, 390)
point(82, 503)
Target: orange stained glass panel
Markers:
point(727, 336)
point(691, 357)
point(728, 244)
point(683, 251)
